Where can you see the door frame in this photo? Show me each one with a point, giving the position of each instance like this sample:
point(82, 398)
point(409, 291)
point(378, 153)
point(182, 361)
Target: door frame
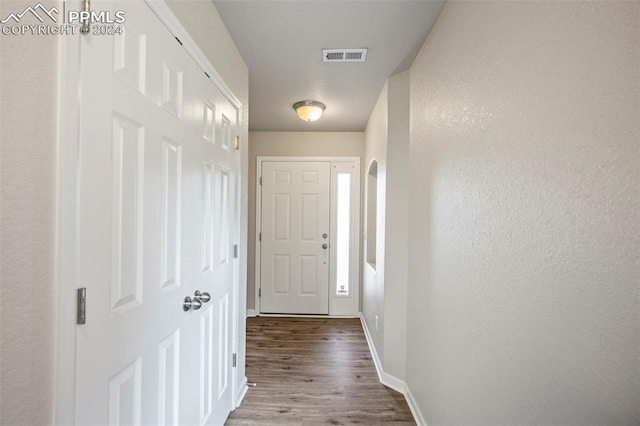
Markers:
point(339, 305)
point(67, 200)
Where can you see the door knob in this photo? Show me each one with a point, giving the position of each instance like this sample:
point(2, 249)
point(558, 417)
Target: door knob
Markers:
point(190, 303)
point(196, 304)
point(203, 297)
point(187, 304)
point(324, 246)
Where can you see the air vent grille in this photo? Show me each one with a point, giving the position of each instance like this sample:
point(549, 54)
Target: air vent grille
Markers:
point(344, 55)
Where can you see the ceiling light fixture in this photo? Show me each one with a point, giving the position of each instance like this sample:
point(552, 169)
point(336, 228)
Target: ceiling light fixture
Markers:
point(309, 110)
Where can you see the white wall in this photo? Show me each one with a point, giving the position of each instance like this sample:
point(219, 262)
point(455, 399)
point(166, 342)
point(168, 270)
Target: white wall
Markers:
point(28, 84)
point(295, 144)
point(373, 280)
point(397, 227)
point(524, 242)
point(28, 93)
point(385, 287)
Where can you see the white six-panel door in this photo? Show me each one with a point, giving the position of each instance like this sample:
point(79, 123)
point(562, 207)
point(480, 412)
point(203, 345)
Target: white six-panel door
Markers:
point(157, 220)
point(294, 264)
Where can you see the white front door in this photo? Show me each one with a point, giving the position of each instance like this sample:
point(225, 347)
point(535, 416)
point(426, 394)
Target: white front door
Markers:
point(157, 216)
point(294, 264)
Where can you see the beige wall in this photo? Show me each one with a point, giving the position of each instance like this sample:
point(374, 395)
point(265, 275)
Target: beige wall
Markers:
point(385, 288)
point(373, 280)
point(397, 227)
point(525, 213)
point(28, 90)
point(292, 144)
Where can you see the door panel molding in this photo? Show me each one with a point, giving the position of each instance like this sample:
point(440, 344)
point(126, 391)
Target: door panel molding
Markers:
point(68, 142)
point(296, 213)
point(339, 305)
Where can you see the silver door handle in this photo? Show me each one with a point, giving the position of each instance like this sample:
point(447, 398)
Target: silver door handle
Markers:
point(203, 297)
point(190, 303)
point(324, 246)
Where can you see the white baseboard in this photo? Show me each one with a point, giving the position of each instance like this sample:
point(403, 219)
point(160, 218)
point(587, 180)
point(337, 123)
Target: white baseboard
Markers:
point(254, 313)
point(392, 381)
point(415, 410)
point(242, 393)
point(372, 348)
point(385, 378)
point(307, 316)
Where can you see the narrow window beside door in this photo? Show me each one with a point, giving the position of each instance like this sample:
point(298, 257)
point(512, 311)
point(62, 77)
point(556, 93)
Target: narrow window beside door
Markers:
point(343, 235)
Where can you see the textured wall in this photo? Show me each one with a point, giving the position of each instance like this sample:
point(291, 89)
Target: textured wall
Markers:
point(373, 280)
point(312, 144)
point(28, 91)
point(397, 227)
point(524, 245)
point(28, 83)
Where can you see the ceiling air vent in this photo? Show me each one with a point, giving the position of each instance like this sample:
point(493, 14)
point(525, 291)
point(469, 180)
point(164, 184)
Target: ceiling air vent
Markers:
point(344, 55)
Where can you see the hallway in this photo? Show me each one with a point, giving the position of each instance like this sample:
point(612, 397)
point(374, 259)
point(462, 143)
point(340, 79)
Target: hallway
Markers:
point(314, 371)
point(483, 212)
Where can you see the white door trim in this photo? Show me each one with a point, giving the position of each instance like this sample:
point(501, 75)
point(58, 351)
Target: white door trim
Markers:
point(68, 144)
point(356, 232)
point(66, 222)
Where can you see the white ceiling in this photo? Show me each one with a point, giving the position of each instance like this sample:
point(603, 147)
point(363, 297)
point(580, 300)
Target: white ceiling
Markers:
point(282, 43)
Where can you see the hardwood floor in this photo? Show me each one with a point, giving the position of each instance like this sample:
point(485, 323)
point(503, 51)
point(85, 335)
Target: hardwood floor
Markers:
point(314, 371)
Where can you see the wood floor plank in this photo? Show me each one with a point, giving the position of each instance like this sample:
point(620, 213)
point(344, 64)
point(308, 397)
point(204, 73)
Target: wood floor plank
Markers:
point(314, 371)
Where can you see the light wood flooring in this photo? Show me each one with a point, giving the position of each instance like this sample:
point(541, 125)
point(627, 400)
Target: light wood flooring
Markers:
point(314, 372)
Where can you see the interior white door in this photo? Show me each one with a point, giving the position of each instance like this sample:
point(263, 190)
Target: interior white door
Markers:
point(294, 264)
point(156, 223)
point(218, 164)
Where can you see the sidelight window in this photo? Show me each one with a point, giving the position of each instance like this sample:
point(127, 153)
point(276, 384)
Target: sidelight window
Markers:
point(343, 233)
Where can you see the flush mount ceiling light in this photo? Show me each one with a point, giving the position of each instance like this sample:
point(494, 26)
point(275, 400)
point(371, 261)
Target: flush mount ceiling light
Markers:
point(309, 110)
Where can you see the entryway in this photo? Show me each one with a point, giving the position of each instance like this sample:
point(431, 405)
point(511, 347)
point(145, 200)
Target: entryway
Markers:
point(307, 247)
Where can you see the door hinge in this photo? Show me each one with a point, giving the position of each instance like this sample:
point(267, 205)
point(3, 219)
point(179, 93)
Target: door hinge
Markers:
point(260, 180)
point(86, 23)
point(260, 292)
point(237, 142)
point(260, 236)
point(235, 251)
point(81, 305)
point(235, 360)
